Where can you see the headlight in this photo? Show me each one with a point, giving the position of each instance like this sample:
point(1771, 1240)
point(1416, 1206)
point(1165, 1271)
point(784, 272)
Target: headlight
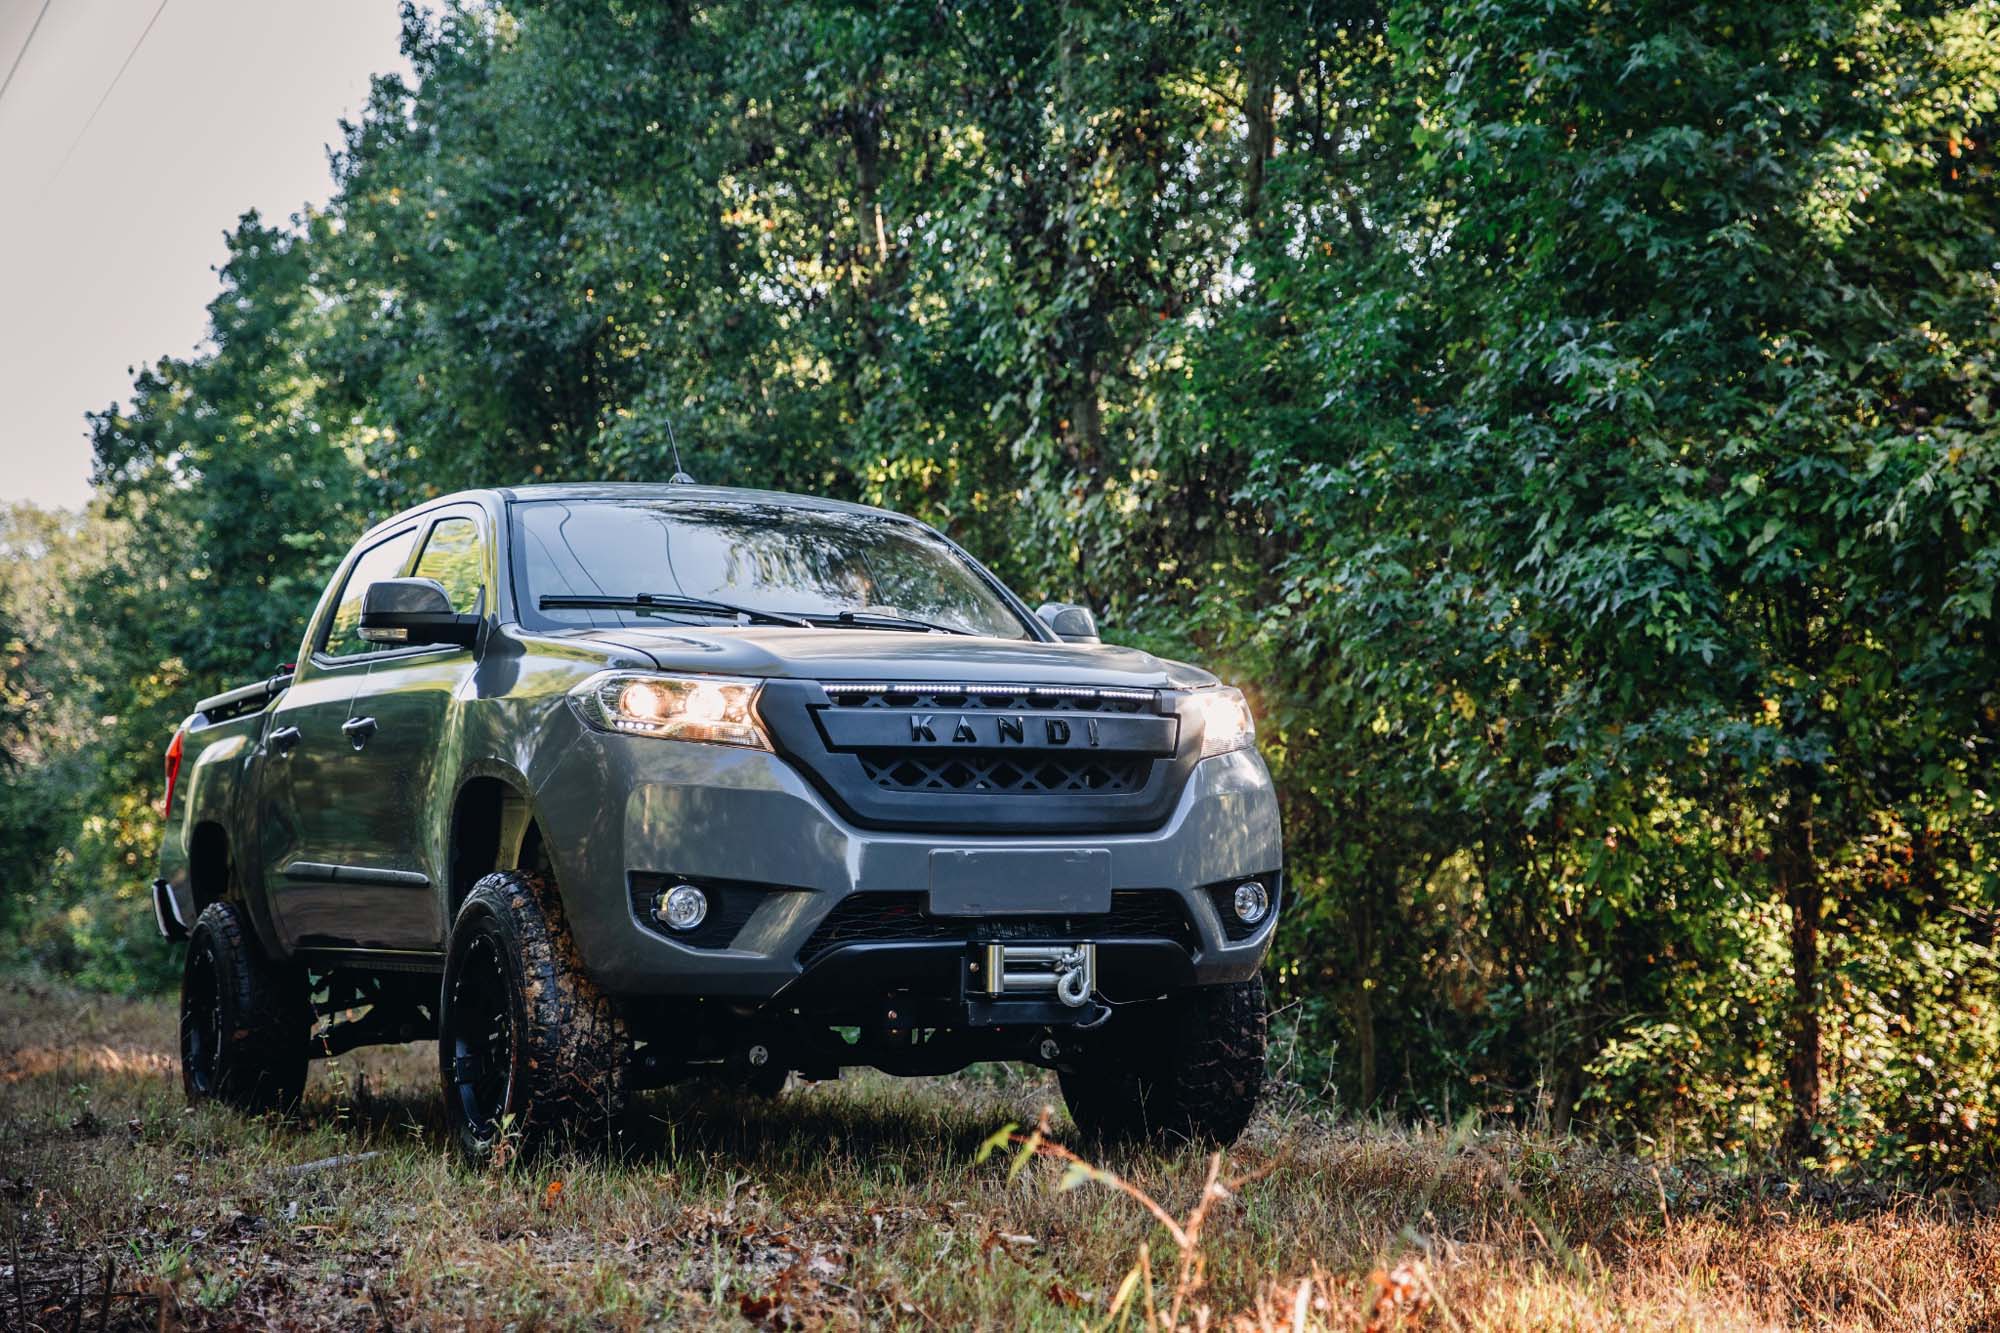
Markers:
point(1225, 721)
point(719, 709)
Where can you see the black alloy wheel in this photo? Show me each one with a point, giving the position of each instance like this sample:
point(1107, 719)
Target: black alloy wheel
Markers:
point(477, 1036)
point(201, 1021)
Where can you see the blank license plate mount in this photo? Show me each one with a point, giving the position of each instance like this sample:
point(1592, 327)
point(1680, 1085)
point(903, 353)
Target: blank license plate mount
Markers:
point(1020, 881)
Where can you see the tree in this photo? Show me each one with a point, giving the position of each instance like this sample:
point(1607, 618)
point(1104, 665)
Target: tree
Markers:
point(1706, 308)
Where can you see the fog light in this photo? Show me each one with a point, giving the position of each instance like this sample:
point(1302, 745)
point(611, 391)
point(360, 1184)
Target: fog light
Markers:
point(683, 907)
point(1251, 902)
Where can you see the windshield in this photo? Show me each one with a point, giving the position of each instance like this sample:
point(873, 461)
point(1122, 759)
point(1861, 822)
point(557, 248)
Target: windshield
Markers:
point(764, 558)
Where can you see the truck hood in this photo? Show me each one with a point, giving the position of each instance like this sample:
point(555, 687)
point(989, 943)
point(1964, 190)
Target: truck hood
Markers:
point(841, 654)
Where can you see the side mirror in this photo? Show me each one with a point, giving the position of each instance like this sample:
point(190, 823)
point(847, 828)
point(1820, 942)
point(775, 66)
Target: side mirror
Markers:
point(1072, 624)
point(413, 611)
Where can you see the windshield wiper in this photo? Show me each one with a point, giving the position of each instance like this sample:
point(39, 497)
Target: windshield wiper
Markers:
point(668, 601)
point(880, 620)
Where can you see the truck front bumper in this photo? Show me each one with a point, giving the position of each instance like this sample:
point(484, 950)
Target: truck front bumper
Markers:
point(625, 816)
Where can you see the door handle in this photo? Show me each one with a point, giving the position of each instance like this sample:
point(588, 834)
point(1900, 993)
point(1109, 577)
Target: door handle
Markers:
point(285, 739)
point(358, 730)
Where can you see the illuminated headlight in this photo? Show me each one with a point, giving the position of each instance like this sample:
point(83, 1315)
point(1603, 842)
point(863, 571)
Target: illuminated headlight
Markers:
point(719, 709)
point(1226, 723)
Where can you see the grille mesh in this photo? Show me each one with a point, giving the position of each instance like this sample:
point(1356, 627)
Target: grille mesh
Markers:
point(1005, 772)
point(887, 918)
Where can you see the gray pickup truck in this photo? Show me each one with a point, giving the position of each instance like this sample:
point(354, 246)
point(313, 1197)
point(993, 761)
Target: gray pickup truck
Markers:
point(606, 786)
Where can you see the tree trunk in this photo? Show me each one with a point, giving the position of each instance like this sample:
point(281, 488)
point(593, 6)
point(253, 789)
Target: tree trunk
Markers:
point(1567, 1088)
point(1364, 1001)
point(870, 253)
point(1259, 105)
point(1799, 883)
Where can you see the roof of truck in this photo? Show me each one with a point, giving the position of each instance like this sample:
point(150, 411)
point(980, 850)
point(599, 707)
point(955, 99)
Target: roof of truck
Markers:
point(633, 490)
point(661, 490)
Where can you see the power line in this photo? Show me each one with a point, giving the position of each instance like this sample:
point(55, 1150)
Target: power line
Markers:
point(91, 119)
point(22, 54)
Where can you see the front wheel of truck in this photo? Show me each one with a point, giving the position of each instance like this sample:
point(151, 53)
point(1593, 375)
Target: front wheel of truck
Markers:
point(246, 1019)
point(529, 1049)
point(1188, 1067)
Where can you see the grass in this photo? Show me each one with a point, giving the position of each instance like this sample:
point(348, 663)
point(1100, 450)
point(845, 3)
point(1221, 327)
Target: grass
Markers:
point(874, 1202)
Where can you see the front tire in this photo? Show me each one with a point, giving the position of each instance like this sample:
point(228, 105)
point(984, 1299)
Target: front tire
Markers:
point(529, 1049)
point(766, 1082)
point(1190, 1067)
point(246, 1020)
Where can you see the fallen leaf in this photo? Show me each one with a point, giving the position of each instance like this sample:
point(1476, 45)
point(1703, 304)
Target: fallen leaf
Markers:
point(1066, 1296)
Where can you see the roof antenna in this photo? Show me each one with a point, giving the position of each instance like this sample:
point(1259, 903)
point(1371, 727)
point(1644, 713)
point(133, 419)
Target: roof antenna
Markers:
point(680, 477)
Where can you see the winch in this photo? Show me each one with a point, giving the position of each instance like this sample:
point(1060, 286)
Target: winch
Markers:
point(1069, 970)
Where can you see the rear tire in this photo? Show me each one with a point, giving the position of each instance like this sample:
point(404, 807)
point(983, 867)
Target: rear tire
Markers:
point(1190, 1067)
point(246, 1020)
point(529, 1049)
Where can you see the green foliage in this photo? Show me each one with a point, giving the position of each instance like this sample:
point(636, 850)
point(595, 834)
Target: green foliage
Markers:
point(84, 833)
point(1572, 423)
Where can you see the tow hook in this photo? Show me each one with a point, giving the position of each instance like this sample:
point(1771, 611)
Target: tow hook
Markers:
point(1073, 978)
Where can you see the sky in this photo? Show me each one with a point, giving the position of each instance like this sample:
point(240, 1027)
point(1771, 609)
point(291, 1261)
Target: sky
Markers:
point(109, 242)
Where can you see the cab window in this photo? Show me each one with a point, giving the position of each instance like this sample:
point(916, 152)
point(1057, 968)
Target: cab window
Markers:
point(384, 560)
point(455, 556)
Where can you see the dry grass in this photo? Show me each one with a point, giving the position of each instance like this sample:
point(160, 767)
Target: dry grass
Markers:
point(867, 1202)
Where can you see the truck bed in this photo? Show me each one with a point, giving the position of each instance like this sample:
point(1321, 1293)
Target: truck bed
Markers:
point(218, 746)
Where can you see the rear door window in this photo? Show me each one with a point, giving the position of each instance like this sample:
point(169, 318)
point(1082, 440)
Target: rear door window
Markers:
point(455, 555)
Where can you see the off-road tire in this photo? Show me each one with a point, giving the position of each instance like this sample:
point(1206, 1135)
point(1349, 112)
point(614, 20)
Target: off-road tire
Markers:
point(246, 1019)
point(766, 1084)
point(549, 1056)
point(1186, 1068)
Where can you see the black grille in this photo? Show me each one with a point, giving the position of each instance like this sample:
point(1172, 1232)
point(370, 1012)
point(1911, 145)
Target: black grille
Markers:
point(962, 756)
point(1004, 772)
point(889, 918)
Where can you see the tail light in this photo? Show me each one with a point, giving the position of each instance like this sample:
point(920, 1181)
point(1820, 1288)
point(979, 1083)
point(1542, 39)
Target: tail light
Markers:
point(173, 772)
